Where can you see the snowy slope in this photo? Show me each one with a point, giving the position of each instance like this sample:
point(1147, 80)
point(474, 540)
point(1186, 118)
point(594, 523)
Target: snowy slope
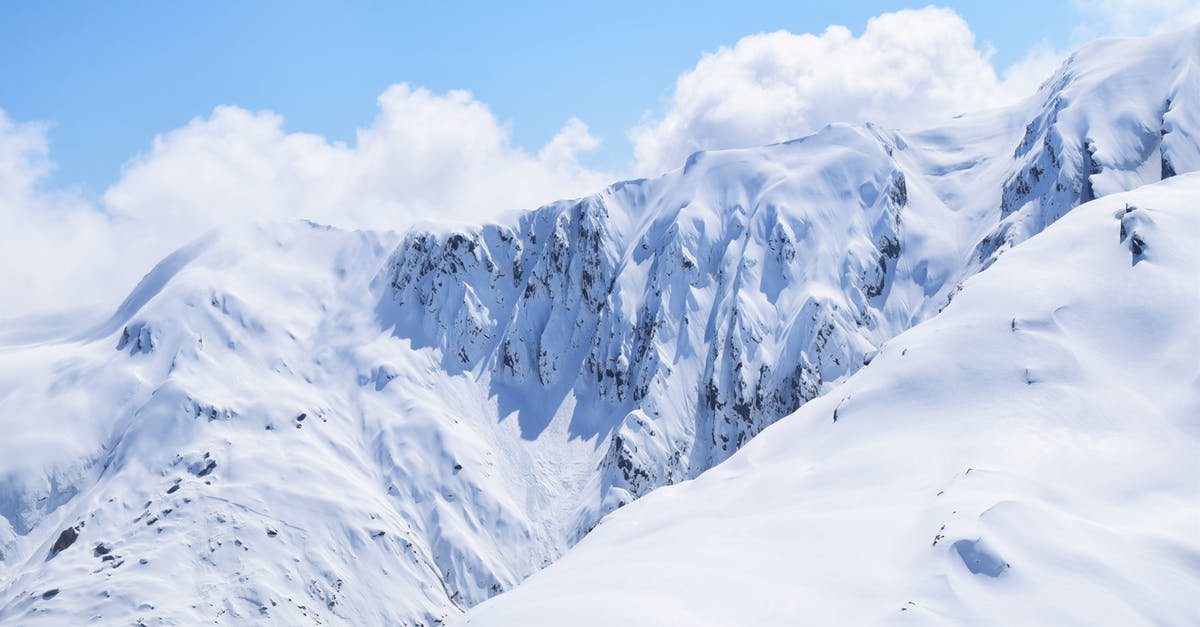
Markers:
point(703, 305)
point(1030, 456)
point(246, 427)
point(282, 422)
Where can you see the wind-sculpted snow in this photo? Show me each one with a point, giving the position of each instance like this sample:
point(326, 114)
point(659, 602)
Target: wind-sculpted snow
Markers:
point(294, 423)
point(1031, 456)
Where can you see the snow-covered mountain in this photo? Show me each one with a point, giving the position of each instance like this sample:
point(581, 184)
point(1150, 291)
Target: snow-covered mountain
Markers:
point(295, 423)
point(1027, 457)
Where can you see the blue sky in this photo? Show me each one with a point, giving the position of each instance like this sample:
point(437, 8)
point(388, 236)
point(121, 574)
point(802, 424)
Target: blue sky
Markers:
point(109, 76)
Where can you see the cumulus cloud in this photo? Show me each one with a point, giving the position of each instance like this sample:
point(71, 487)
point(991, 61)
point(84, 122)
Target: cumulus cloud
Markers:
point(1024, 77)
point(425, 156)
point(446, 156)
point(47, 239)
point(1132, 17)
point(907, 69)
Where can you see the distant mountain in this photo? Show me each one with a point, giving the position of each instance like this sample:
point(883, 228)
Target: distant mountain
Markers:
point(296, 423)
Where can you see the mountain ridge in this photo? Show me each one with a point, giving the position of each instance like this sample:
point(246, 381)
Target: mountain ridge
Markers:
point(462, 405)
point(1027, 456)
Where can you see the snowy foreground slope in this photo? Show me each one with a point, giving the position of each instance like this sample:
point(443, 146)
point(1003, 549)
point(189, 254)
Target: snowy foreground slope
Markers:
point(297, 424)
point(1029, 456)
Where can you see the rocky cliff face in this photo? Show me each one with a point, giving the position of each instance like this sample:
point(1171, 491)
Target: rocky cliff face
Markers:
point(974, 463)
point(691, 311)
point(1075, 149)
point(686, 313)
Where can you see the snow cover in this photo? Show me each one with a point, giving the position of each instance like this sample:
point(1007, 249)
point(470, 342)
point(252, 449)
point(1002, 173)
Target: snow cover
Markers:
point(1030, 456)
point(295, 423)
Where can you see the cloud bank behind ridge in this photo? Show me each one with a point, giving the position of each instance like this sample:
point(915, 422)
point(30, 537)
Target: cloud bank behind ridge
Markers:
point(445, 156)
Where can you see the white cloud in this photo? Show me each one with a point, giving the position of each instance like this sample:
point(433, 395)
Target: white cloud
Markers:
point(1132, 17)
point(48, 240)
point(1026, 75)
point(907, 69)
point(425, 156)
point(446, 156)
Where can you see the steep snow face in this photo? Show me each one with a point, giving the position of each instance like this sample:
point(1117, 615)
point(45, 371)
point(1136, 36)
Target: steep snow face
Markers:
point(683, 314)
point(641, 308)
point(1030, 456)
point(280, 423)
point(1099, 132)
point(243, 441)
